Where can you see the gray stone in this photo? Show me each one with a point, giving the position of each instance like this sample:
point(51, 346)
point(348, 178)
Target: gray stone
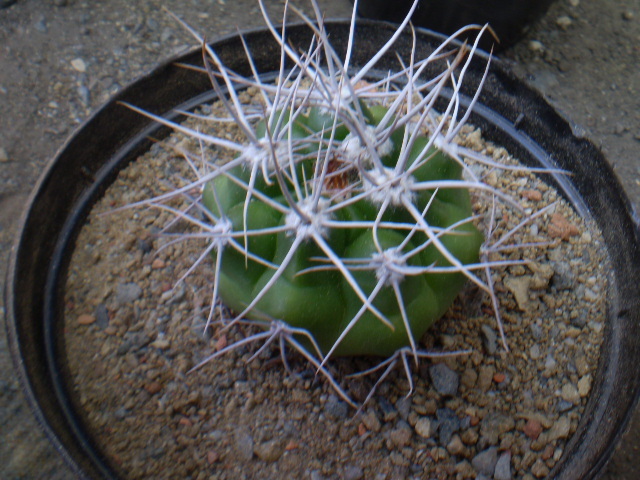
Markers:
point(84, 94)
point(41, 25)
point(550, 362)
point(564, 406)
point(449, 423)
point(353, 472)
point(444, 379)
point(132, 342)
point(485, 461)
point(244, 445)
point(536, 331)
point(389, 412)
point(336, 409)
point(269, 451)
point(128, 293)
point(563, 276)
point(404, 406)
point(503, 467)
point(102, 316)
point(316, 475)
point(489, 339)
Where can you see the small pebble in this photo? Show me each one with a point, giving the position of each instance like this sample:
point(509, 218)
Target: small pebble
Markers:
point(127, 292)
point(569, 393)
point(584, 386)
point(564, 22)
point(157, 264)
point(490, 339)
point(86, 319)
point(102, 316)
point(455, 445)
point(560, 429)
point(533, 195)
point(503, 467)
point(316, 475)
point(401, 436)
point(485, 461)
point(540, 469)
point(85, 95)
point(353, 472)
point(444, 379)
point(4, 156)
point(41, 25)
point(244, 445)
point(449, 423)
point(494, 425)
point(153, 387)
point(371, 421)
point(499, 377)
point(485, 377)
point(532, 429)
point(212, 457)
point(269, 451)
point(536, 46)
point(335, 408)
point(423, 427)
point(534, 352)
point(469, 378)
point(79, 65)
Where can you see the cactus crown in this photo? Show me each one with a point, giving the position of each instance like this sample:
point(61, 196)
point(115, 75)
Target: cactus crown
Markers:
point(343, 225)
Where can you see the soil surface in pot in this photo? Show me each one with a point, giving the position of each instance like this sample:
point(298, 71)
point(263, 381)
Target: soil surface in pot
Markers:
point(131, 338)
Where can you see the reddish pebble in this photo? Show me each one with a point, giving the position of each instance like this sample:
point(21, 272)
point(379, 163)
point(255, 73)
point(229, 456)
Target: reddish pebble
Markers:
point(533, 195)
point(86, 319)
point(153, 387)
point(362, 429)
point(157, 264)
point(499, 377)
point(221, 342)
point(532, 429)
point(291, 446)
point(560, 227)
point(473, 420)
point(185, 421)
point(166, 287)
point(212, 457)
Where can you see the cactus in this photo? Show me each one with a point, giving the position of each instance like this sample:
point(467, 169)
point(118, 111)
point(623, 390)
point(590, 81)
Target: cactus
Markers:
point(350, 250)
point(343, 226)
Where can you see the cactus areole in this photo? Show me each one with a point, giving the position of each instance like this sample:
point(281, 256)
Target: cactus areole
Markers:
point(327, 238)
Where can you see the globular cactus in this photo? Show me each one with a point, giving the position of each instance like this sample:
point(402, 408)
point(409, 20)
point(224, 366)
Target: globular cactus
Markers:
point(343, 225)
point(353, 251)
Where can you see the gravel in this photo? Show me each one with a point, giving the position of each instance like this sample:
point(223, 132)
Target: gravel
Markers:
point(464, 413)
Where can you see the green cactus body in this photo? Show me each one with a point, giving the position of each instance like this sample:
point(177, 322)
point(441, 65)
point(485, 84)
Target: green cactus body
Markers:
point(321, 300)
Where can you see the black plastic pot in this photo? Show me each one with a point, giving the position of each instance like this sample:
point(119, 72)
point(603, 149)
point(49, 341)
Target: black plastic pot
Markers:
point(508, 18)
point(510, 114)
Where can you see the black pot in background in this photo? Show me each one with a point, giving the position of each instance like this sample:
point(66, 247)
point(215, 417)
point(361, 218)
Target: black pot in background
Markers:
point(508, 18)
point(510, 114)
